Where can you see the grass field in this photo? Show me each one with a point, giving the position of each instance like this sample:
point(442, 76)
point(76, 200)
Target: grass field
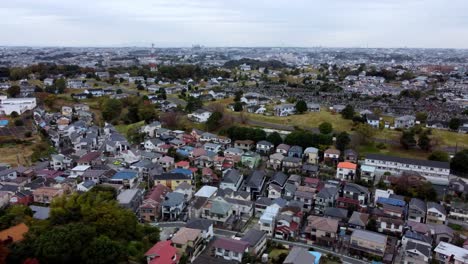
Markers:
point(18, 154)
point(276, 252)
point(392, 151)
point(123, 129)
point(306, 120)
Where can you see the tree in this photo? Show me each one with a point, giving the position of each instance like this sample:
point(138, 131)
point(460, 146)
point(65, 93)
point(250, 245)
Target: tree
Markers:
point(146, 112)
point(421, 117)
point(459, 163)
point(407, 140)
point(213, 121)
point(301, 106)
point(454, 123)
point(111, 109)
point(439, 155)
point(364, 132)
point(238, 96)
point(424, 142)
point(274, 138)
point(103, 250)
point(238, 107)
point(348, 112)
point(60, 85)
point(372, 225)
point(342, 141)
point(13, 91)
point(14, 114)
point(19, 122)
point(325, 128)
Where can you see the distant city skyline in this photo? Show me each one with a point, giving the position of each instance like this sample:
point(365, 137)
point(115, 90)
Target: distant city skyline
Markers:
point(241, 23)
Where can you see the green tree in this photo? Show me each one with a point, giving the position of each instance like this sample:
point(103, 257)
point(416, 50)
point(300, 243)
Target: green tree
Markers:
point(372, 225)
point(103, 250)
point(275, 138)
point(459, 163)
point(301, 106)
point(213, 121)
point(348, 112)
point(424, 142)
point(111, 109)
point(407, 140)
point(13, 91)
point(325, 128)
point(60, 85)
point(238, 107)
point(342, 141)
point(238, 96)
point(146, 112)
point(439, 155)
point(421, 117)
point(454, 123)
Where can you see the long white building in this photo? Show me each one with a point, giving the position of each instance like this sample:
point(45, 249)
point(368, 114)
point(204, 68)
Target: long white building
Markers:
point(19, 105)
point(434, 171)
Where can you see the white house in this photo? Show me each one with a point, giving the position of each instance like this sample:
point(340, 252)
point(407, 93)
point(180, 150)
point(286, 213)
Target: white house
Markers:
point(285, 109)
point(18, 105)
point(200, 116)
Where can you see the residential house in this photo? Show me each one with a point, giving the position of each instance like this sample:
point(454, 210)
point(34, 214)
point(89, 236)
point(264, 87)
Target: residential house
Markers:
point(257, 241)
point(292, 164)
point(283, 149)
point(295, 151)
point(346, 171)
point(368, 243)
point(288, 222)
point(417, 210)
point(264, 147)
point(232, 179)
point(367, 173)
point(250, 159)
point(172, 180)
point(350, 155)
point(357, 193)
point(218, 210)
point(331, 155)
point(415, 253)
point(448, 253)
point(126, 178)
point(150, 209)
point(305, 195)
point(358, 220)
point(284, 109)
point(162, 253)
point(130, 199)
point(230, 249)
point(373, 120)
point(311, 155)
point(189, 242)
point(204, 225)
point(60, 162)
point(313, 107)
point(406, 121)
point(200, 116)
point(276, 185)
point(268, 219)
point(321, 230)
point(326, 197)
point(167, 163)
point(436, 213)
point(254, 183)
point(458, 211)
point(275, 161)
point(90, 159)
point(172, 206)
point(244, 144)
point(299, 255)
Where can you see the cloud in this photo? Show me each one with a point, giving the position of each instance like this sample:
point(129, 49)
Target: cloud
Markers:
point(343, 23)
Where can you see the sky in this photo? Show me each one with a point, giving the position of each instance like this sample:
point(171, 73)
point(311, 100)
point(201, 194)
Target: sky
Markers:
point(239, 23)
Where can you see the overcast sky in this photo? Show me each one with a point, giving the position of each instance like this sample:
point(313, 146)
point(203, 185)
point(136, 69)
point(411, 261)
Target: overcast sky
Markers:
point(175, 23)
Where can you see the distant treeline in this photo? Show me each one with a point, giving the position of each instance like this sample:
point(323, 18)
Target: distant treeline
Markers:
point(255, 64)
